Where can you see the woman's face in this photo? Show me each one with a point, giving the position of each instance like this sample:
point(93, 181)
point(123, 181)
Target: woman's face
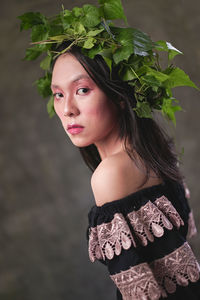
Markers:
point(87, 115)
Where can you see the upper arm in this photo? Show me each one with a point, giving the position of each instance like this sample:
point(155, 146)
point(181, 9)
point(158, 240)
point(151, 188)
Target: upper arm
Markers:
point(111, 181)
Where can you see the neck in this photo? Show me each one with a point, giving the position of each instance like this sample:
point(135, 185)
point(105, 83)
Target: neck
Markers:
point(110, 148)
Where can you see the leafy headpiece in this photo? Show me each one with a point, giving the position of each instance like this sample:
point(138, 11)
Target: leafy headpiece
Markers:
point(134, 54)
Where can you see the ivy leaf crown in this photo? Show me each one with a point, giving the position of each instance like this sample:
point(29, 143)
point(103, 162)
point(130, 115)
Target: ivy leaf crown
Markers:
point(134, 53)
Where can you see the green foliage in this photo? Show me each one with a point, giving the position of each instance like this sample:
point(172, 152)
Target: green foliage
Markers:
point(143, 109)
point(165, 46)
point(43, 85)
point(112, 9)
point(169, 109)
point(46, 63)
point(91, 16)
point(39, 33)
point(132, 51)
point(177, 77)
point(30, 19)
point(32, 53)
point(50, 107)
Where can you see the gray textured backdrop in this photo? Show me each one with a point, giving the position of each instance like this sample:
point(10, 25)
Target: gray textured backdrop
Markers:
point(44, 186)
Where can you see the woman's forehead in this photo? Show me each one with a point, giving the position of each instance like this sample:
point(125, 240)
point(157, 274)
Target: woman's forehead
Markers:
point(68, 68)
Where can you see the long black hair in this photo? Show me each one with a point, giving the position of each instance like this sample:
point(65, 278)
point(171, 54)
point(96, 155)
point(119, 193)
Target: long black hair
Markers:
point(142, 136)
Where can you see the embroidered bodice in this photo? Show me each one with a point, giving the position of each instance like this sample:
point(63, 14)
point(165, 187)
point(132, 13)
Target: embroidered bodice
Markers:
point(142, 238)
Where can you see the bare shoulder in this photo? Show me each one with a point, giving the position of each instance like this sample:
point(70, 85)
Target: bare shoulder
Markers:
point(116, 177)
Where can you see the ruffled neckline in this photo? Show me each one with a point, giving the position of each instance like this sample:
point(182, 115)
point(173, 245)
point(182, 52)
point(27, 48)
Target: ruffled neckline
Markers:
point(133, 200)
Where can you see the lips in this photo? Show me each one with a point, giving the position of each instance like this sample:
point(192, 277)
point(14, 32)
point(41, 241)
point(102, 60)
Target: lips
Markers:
point(75, 128)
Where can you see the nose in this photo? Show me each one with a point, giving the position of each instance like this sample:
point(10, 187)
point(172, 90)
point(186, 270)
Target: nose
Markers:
point(70, 107)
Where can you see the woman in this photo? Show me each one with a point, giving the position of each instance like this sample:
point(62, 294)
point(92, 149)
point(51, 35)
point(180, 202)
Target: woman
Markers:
point(106, 81)
point(139, 224)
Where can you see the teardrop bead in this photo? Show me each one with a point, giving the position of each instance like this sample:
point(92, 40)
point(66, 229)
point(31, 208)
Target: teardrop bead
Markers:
point(167, 223)
point(181, 280)
point(98, 252)
point(148, 234)
point(126, 242)
point(109, 251)
point(118, 248)
point(157, 230)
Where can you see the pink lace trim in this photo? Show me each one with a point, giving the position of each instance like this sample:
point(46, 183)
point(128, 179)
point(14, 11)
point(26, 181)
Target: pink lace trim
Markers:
point(108, 239)
point(187, 191)
point(137, 283)
point(150, 282)
point(150, 220)
point(177, 268)
point(192, 230)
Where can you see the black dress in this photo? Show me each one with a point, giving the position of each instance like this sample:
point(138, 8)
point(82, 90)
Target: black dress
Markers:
point(142, 239)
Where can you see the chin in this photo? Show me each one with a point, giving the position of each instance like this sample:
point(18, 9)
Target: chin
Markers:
point(80, 144)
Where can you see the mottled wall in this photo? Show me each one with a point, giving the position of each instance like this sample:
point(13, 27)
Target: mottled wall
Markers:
point(44, 186)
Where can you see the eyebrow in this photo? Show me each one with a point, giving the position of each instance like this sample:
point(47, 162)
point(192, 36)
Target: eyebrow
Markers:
point(79, 77)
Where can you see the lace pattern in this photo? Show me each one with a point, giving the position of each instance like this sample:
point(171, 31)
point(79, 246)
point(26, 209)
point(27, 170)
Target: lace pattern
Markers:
point(177, 268)
point(192, 230)
point(137, 283)
point(150, 282)
point(108, 239)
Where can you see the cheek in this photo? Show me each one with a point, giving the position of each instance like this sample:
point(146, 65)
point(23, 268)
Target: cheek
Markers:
point(59, 113)
point(99, 112)
point(58, 110)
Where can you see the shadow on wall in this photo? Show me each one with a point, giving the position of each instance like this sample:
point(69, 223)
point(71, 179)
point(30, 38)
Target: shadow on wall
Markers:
point(44, 191)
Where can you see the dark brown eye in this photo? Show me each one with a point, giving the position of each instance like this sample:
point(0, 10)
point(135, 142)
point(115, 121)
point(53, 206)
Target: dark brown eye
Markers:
point(57, 96)
point(82, 91)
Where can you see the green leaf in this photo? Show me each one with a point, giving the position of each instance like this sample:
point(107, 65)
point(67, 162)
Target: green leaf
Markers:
point(151, 81)
point(79, 29)
point(136, 61)
point(39, 33)
point(128, 74)
point(91, 16)
point(44, 85)
point(125, 38)
point(166, 46)
point(71, 32)
point(94, 32)
point(67, 18)
point(32, 53)
point(46, 63)
point(146, 70)
point(50, 107)
point(89, 43)
point(178, 77)
point(132, 41)
point(108, 62)
point(30, 19)
point(123, 35)
point(77, 11)
point(113, 9)
point(157, 75)
point(142, 42)
point(105, 25)
point(122, 53)
point(169, 109)
point(55, 30)
point(94, 51)
point(143, 109)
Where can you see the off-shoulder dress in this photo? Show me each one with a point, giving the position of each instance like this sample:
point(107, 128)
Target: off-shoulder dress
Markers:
point(142, 239)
